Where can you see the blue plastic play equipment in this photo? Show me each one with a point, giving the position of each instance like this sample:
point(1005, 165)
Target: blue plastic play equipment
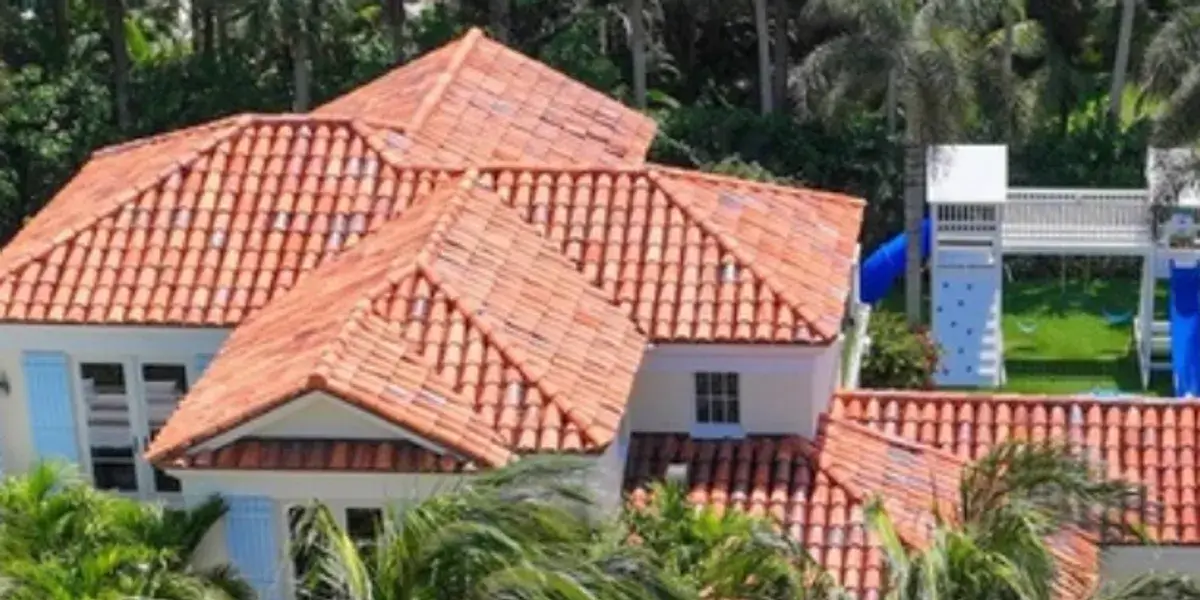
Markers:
point(886, 263)
point(1185, 330)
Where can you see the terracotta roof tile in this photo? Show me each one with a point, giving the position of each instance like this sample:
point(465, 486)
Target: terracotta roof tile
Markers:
point(1144, 440)
point(365, 456)
point(271, 198)
point(477, 100)
point(455, 323)
point(775, 476)
point(817, 493)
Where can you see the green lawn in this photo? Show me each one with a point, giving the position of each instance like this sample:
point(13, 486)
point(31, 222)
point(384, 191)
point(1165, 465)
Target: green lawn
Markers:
point(1057, 341)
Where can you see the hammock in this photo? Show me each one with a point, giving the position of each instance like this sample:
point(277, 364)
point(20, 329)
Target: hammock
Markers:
point(1117, 318)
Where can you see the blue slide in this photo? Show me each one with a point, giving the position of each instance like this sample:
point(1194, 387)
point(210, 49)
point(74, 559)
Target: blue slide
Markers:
point(887, 263)
point(1185, 330)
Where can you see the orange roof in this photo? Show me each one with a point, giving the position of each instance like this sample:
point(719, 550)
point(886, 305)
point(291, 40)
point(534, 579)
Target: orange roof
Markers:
point(342, 456)
point(817, 492)
point(218, 220)
point(454, 323)
point(1149, 441)
point(477, 100)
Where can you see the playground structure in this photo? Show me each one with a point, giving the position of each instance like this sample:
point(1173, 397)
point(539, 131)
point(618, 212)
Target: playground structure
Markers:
point(975, 219)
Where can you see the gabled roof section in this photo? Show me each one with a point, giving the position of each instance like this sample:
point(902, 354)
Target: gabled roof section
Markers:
point(455, 323)
point(476, 100)
point(204, 226)
point(694, 258)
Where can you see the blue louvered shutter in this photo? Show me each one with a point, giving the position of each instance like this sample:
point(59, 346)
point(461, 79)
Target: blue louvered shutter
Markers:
point(51, 410)
point(251, 537)
point(201, 364)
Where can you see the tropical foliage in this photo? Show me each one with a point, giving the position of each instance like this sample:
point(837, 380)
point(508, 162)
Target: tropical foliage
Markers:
point(60, 539)
point(527, 532)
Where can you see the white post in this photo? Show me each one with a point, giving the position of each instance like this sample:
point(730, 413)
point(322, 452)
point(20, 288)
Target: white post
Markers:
point(1144, 335)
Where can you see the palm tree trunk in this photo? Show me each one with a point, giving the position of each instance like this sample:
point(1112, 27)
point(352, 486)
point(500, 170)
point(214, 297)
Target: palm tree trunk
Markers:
point(60, 13)
point(890, 101)
point(914, 208)
point(637, 42)
point(1121, 64)
point(783, 51)
point(115, 15)
point(1006, 69)
point(498, 14)
point(764, 56)
point(301, 69)
point(396, 17)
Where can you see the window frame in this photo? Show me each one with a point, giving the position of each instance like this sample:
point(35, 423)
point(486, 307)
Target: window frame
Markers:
point(717, 404)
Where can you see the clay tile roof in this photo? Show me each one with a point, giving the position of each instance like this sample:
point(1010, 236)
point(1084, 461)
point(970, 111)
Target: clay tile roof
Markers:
point(1150, 441)
point(697, 258)
point(478, 100)
point(205, 226)
point(817, 491)
point(455, 323)
point(365, 456)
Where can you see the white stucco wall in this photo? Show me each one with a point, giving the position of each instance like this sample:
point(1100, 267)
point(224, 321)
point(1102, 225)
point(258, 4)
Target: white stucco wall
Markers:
point(1121, 563)
point(783, 388)
point(86, 344)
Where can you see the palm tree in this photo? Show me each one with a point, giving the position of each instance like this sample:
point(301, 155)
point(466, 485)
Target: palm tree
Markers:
point(525, 532)
point(637, 48)
point(114, 12)
point(763, 34)
point(920, 57)
point(60, 538)
point(725, 554)
point(783, 50)
point(995, 546)
point(498, 14)
point(1171, 71)
point(1121, 62)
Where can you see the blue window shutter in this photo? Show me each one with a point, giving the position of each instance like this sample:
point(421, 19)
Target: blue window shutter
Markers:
point(51, 410)
point(201, 365)
point(251, 538)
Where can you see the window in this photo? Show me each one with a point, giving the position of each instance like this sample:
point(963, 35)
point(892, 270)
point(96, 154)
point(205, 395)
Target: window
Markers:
point(362, 525)
point(111, 436)
point(165, 385)
point(717, 400)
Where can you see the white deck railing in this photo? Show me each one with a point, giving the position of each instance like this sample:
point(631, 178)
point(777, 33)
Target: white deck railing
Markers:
point(1068, 218)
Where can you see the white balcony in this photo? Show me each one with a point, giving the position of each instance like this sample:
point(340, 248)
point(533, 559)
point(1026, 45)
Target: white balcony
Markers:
point(1076, 221)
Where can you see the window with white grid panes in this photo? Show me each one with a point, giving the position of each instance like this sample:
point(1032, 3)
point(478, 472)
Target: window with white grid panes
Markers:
point(718, 399)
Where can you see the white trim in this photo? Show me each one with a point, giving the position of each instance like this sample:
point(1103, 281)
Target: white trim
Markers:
point(305, 402)
point(715, 431)
point(730, 358)
point(113, 340)
point(388, 488)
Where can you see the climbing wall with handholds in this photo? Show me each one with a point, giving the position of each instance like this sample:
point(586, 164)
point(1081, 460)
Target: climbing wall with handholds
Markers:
point(966, 284)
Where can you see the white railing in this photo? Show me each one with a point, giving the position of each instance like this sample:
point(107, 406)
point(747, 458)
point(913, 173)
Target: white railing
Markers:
point(1076, 218)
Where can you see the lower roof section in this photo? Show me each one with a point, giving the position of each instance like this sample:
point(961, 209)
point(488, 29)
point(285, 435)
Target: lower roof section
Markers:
point(341, 456)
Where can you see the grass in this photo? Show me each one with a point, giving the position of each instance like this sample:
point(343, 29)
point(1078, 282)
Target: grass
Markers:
point(1058, 342)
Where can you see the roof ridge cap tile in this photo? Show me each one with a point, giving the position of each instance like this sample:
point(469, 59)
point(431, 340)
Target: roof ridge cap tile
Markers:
point(238, 119)
point(445, 78)
point(974, 397)
point(732, 247)
point(780, 187)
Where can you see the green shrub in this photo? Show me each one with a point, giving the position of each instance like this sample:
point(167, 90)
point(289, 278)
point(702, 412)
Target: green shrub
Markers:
point(899, 357)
